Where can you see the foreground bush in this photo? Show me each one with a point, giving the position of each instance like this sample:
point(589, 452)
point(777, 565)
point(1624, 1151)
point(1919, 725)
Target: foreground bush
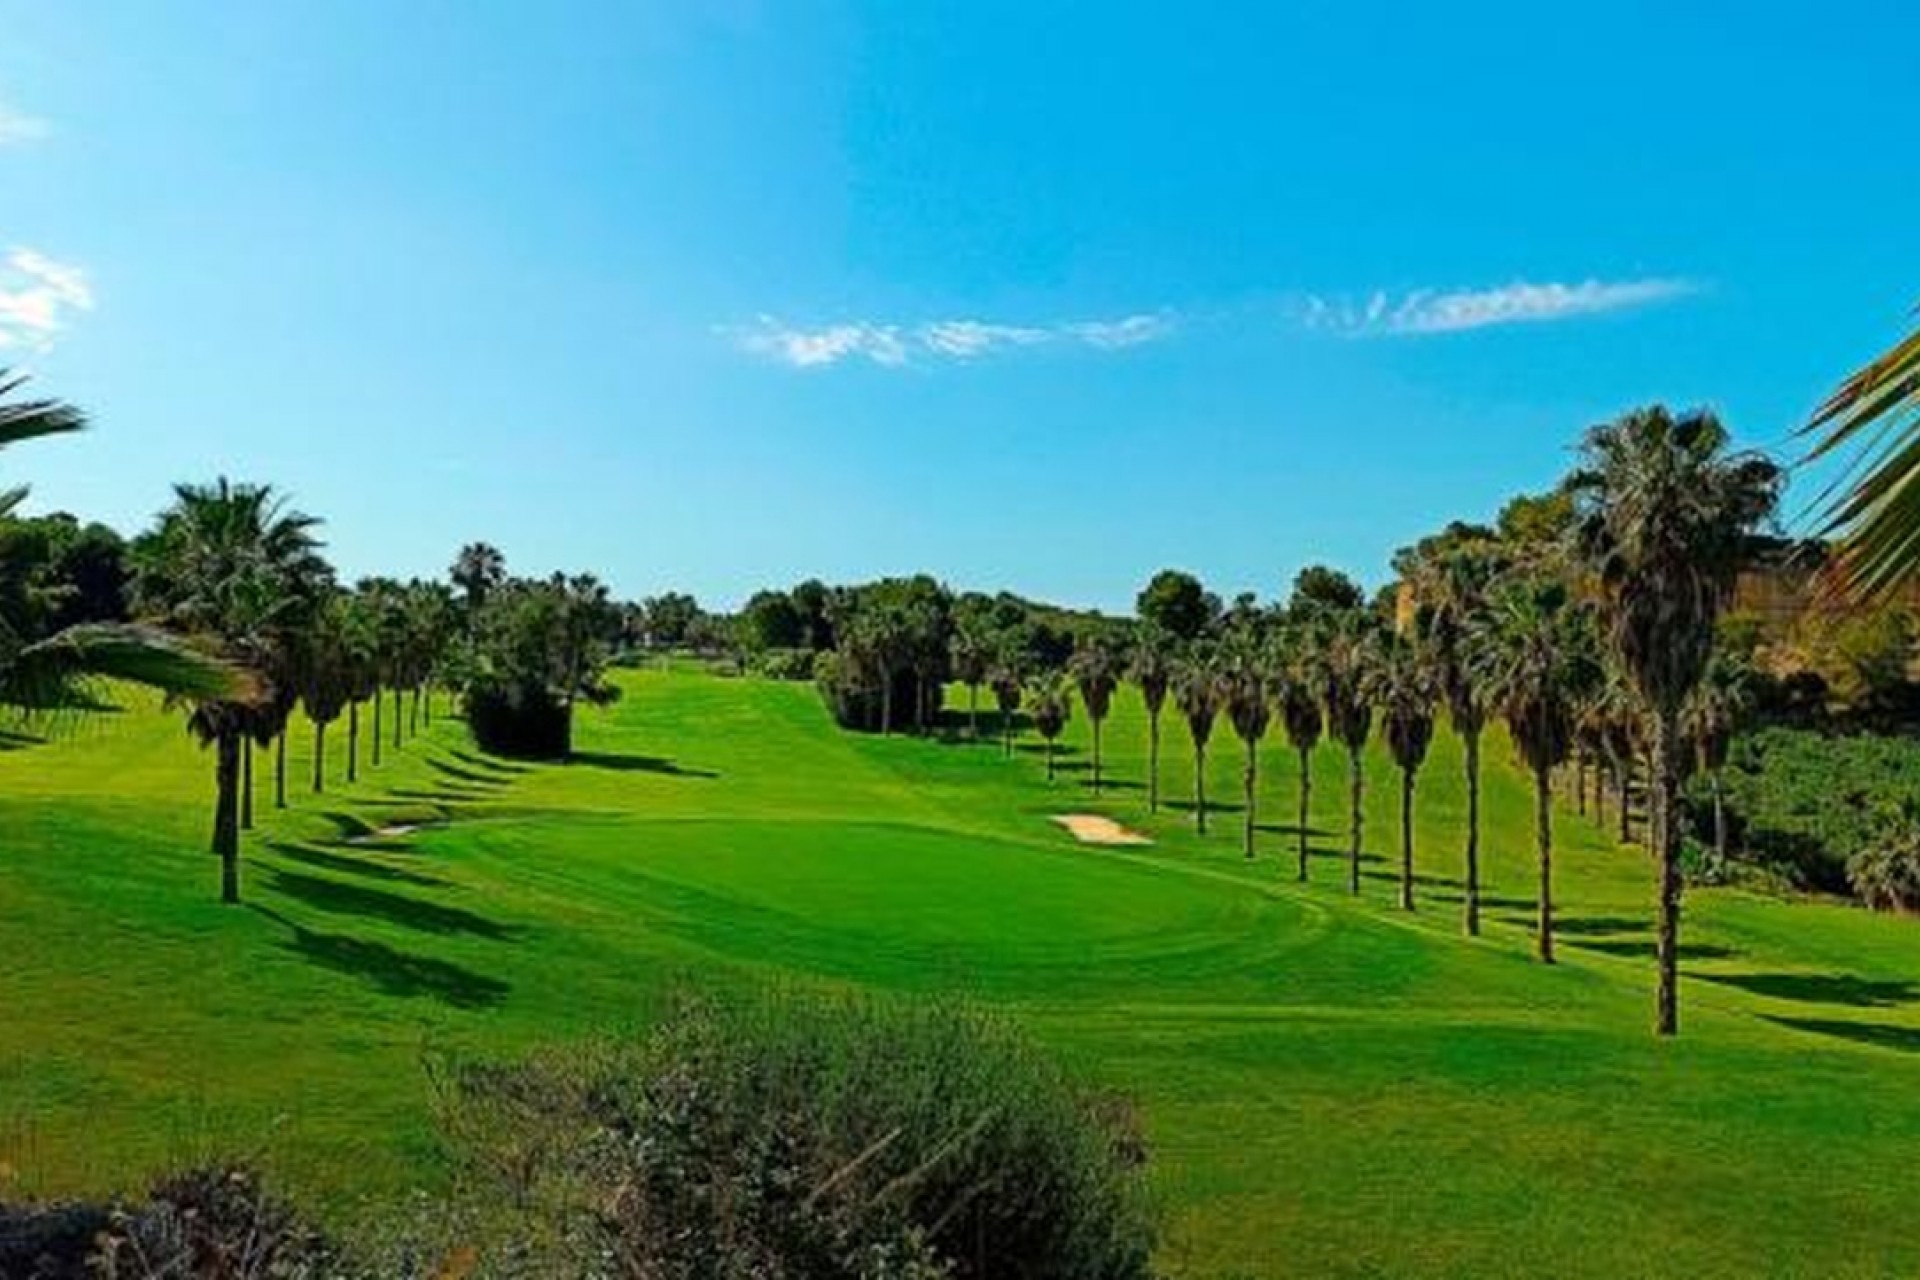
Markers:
point(803, 1138)
point(1886, 874)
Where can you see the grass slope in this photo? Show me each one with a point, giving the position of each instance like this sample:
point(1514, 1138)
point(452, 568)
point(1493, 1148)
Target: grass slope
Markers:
point(1330, 1087)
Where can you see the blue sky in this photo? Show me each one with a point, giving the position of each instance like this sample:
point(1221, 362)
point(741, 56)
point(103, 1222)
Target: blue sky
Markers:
point(718, 295)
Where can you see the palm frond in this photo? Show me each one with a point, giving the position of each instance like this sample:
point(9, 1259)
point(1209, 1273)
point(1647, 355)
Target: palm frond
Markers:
point(45, 675)
point(28, 419)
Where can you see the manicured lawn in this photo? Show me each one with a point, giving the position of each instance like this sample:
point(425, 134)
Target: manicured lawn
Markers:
point(1329, 1087)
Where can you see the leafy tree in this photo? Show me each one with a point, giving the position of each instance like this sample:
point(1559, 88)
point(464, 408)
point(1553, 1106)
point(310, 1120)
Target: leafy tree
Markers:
point(1096, 666)
point(1885, 873)
point(1346, 654)
point(1243, 690)
point(1197, 692)
point(1664, 513)
point(670, 619)
point(1004, 678)
point(1152, 669)
point(770, 620)
point(1319, 591)
point(1405, 685)
point(972, 657)
point(1533, 521)
point(1532, 653)
point(1176, 603)
point(545, 647)
point(1299, 684)
point(1050, 695)
point(813, 602)
point(233, 563)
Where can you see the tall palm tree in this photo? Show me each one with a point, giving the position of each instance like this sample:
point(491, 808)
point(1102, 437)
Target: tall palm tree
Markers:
point(1532, 653)
point(971, 655)
point(1005, 680)
point(477, 571)
point(1713, 714)
point(1665, 512)
point(1096, 668)
point(1152, 670)
point(1346, 654)
point(1405, 685)
point(1874, 508)
point(1453, 587)
point(1244, 676)
point(230, 561)
point(323, 675)
point(1050, 695)
point(1299, 684)
point(1196, 691)
point(40, 672)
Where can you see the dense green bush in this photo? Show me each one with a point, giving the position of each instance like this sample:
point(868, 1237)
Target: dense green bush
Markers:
point(1803, 802)
point(1886, 873)
point(785, 664)
point(796, 1138)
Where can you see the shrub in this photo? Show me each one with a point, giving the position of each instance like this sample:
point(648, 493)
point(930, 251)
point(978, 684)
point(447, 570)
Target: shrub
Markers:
point(785, 664)
point(524, 721)
point(1886, 873)
point(802, 1137)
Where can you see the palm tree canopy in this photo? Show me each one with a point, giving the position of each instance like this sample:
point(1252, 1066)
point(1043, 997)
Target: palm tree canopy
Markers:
point(1244, 675)
point(1403, 682)
point(1152, 664)
point(1715, 709)
point(1533, 654)
point(1050, 700)
point(27, 420)
point(1874, 507)
point(1346, 644)
point(1197, 691)
point(1451, 587)
point(1665, 511)
point(1096, 667)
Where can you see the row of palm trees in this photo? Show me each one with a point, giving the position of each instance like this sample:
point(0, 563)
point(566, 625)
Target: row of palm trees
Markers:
point(1594, 648)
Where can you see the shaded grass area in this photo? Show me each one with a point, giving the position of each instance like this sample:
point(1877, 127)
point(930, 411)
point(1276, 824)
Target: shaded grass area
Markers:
point(1330, 1086)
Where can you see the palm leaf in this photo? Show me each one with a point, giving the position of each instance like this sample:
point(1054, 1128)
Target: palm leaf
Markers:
point(44, 675)
point(26, 419)
point(1873, 507)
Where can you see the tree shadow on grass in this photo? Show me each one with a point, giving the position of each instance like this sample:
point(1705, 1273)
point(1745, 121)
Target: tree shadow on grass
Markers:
point(360, 900)
point(504, 767)
point(322, 860)
point(1292, 830)
point(1642, 948)
point(1879, 1034)
point(459, 774)
point(1594, 926)
point(1822, 988)
point(392, 971)
point(620, 762)
point(12, 740)
point(1421, 879)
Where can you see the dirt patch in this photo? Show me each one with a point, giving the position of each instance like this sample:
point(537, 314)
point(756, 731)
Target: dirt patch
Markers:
point(387, 832)
point(1091, 828)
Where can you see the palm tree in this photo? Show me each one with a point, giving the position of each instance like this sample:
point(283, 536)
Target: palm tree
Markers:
point(478, 570)
point(40, 672)
point(1196, 690)
point(1095, 667)
point(1050, 694)
point(1404, 683)
point(1454, 591)
point(1665, 511)
point(1532, 654)
point(229, 561)
point(1874, 508)
point(972, 655)
point(1346, 654)
point(1710, 719)
point(1299, 684)
point(1243, 688)
point(324, 676)
point(1004, 680)
point(1152, 670)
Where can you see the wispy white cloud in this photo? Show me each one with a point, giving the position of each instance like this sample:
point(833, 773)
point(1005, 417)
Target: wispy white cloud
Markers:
point(1425, 311)
point(17, 127)
point(961, 340)
point(36, 296)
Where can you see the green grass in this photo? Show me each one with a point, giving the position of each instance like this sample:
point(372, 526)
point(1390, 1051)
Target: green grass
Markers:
point(1329, 1087)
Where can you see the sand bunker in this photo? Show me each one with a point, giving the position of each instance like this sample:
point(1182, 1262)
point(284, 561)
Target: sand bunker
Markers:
point(1091, 828)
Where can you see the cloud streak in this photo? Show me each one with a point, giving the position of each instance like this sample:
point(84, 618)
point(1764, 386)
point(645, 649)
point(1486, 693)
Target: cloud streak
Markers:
point(1432, 311)
point(37, 294)
point(951, 341)
point(17, 128)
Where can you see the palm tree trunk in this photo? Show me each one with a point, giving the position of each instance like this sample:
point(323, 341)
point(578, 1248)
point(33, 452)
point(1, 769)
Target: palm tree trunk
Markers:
point(1543, 839)
point(378, 737)
point(246, 783)
point(1580, 783)
point(886, 704)
point(1719, 819)
point(1153, 763)
point(280, 769)
point(353, 742)
point(1355, 793)
point(319, 756)
point(1624, 772)
point(398, 719)
point(1200, 788)
point(1049, 759)
point(1249, 776)
point(1473, 835)
point(1406, 839)
point(973, 711)
point(1663, 787)
point(413, 712)
point(226, 813)
point(1306, 804)
point(1096, 757)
